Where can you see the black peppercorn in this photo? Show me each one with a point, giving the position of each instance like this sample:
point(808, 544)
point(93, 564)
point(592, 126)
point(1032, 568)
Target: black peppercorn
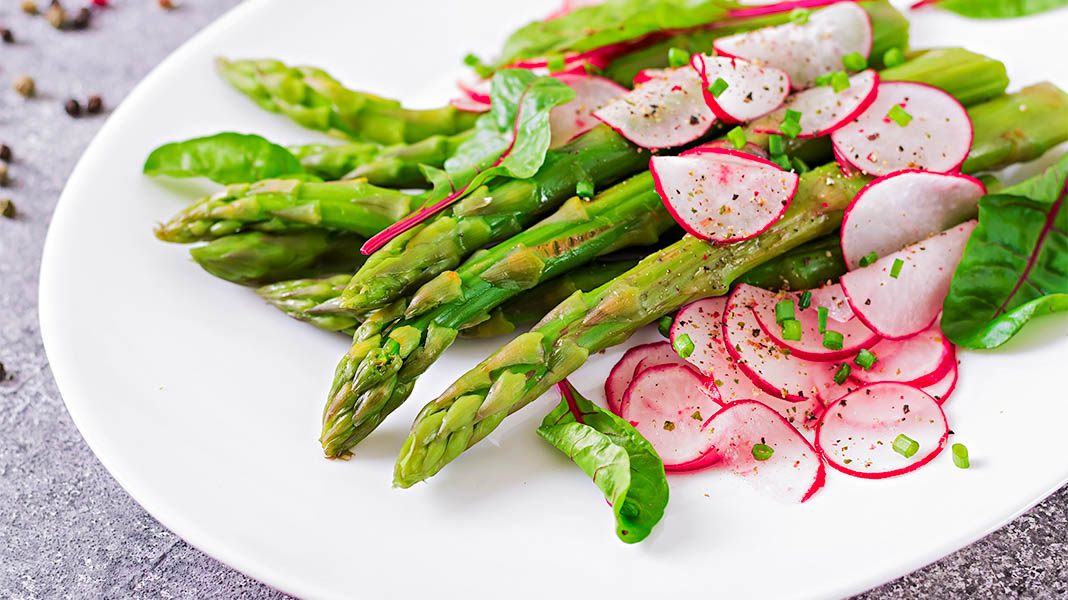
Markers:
point(5, 153)
point(7, 35)
point(81, 20)
point(94, 105)
point(73, 108)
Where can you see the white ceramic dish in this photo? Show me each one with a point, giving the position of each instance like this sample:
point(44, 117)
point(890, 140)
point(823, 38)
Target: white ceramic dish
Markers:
point(204, 403)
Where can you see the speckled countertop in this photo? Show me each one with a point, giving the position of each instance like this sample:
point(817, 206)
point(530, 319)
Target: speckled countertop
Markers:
point(67, 530)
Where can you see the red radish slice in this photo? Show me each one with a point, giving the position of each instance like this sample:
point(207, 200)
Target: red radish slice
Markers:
point(805, 51)
point(827, 390)
point(898, 307)
point(668, 404)
point(769, 367)
point(752, 90)
point(575, 118)
point(920, 360)
point(702, 321)
point(833, 298)
point(937, 138)
point(857, 435)
point(903, 208)
point(794, 471)
point(469, 105)
point(478, 91)
point(646, 355)
point(822, 109)
point(723, 195)
point(667, 110)
point(943, 388)
point(856, 333)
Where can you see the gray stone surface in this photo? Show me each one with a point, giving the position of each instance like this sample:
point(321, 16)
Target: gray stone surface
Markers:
point(67, 530)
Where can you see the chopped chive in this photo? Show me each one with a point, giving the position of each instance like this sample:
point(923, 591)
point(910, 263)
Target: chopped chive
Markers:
point(805, 301)
point(822, 312)
point(664, 325)
point(683, 345)
point(866, 359)
point(854, 61)
point(737, 137)
point(476, 63)
point(718, 87)
point(906, 446)
point(960, 456)
point(585, 188)
point(792, 116)
point(842, 373)
point(868, 259)
point(832, 340)
point(677, 57)
point(556, 64)
point(762, 452)
point(784, 310)
point(791, 123)
point(839, 81)
point(799, 165)
point(824, 79)
point(799, 16)
point(899, 116)
point(775, 144)
point(791, 329)
point(893, 57)
point(782, 160)
point(896, 269)
point(472, 61)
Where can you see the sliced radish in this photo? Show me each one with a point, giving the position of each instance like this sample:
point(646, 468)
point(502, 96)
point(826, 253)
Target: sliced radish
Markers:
point(822, 109)
point(805, 51)
point(769, 367)
point(793, 472)
point(920, 360)
point(646, 355)
point(666, 111)
point(752, 91)
point(827, 390)
point(898, 307)
point(702, 321)
point(856, 333)
point(575, 118)
point(668, 404)
point(723, 195)
point(942, 389)
point(903, 208)
point(857, 434)
point(833, 298)
point(937, 138)
point(478, 91)
point(749, 148)
point(468, 105)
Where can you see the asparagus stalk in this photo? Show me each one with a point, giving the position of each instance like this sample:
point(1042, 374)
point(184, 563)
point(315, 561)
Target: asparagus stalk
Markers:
point(805, 267)
point(379, 372)
point(285, 205)
point(314, 99)
point(258, 258)
point(1019, 126)
point(298, 298)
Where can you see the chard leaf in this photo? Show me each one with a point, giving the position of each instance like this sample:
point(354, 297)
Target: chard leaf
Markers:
point(996, 9)
point(1015, 266)
point(224, 158)
point(621, 462)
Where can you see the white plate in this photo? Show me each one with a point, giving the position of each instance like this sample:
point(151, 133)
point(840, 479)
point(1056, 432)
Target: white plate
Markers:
point(204, 403)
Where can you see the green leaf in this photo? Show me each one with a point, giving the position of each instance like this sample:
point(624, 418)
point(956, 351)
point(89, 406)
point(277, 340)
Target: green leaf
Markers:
point(999, 9)
point(224, 158)
point(621, 462)
point(1015, 266)
point(608, 23)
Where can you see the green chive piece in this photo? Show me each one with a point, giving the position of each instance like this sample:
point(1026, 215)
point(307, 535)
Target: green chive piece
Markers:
point(855, 62)
point(584, 189)
point(899, 116)
point(718, 87)
point(805, 301)
point(791, 123)
point(893, 57)
point(792, 116)
point(866, 359)
point(775, 144)
point(664, 325)
point(824, 79)
point(799, 165)
point(683, 345)
point(832, 340)
point(791, 330)
point(799, 16)
point(472, 61)
point(842, 373)
point(868, 259)
point(784, 310)
point(762, 452)
point(822, 313)
point(906, 446)
point(677, 57)
point(960, 456)
point(840, 82)
point(783, 161)
point(476, 63)
point(737, 137)
point(556, 64)
point(896, 269)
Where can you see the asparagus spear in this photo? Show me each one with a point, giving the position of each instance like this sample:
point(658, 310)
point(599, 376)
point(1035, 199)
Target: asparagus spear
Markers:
point(288, 204)
point(299, 297)
point(1015, 127)
point(257, 258)
point(805, 267)
point(314, 99)
point(379, 372)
